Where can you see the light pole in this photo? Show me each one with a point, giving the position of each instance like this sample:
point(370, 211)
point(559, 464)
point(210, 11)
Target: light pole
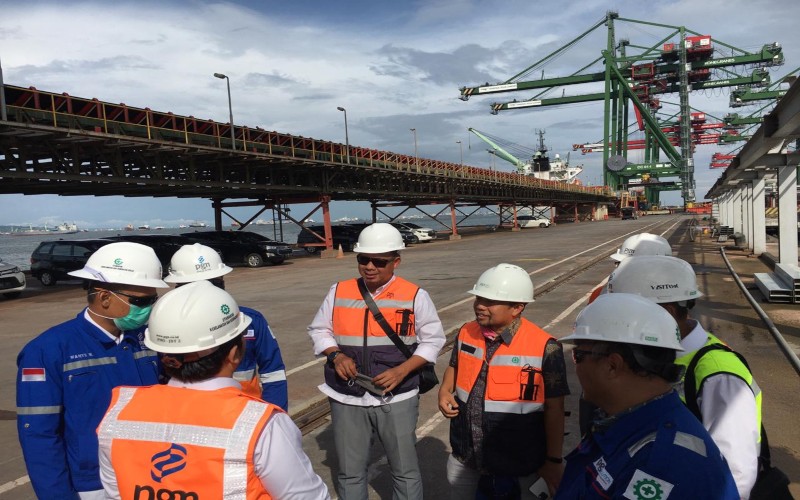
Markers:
point(346, 137)
point(461, 150)
point(230, 107)
point(416, 156)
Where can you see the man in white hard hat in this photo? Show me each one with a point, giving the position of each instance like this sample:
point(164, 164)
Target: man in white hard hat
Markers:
point(650, 445)
point(638, 244)
point(504, 391)
point(724, 395)
point(372, 385)
point(261, 370)
point(66, 374)
point(200, 435)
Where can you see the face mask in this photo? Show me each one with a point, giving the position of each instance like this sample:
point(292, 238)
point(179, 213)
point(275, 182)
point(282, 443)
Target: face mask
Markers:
point(136, 317)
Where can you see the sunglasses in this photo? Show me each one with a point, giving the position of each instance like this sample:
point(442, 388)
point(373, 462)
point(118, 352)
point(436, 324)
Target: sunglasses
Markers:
point(578, 355)
point(138, 301)
point(363, 260)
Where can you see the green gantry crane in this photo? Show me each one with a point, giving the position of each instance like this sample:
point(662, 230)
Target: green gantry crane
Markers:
point(637, 79)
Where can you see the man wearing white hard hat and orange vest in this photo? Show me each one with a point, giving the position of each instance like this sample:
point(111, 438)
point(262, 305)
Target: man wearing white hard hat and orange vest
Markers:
point(66, 374)
point(200, 436)
point(504, 391)
point(372, 385)
point(261, 370)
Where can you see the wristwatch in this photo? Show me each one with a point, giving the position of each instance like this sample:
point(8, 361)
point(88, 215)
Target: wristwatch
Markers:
point(333, 355)
point(555, 460)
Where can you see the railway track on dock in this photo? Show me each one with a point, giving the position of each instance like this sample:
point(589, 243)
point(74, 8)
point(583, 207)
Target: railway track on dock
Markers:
point(317, 413)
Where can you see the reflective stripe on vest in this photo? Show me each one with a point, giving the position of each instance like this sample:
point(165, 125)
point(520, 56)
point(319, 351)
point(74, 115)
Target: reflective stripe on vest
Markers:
point(350, 312)
point(233, 441)
point(719, 361)
point(514, 382)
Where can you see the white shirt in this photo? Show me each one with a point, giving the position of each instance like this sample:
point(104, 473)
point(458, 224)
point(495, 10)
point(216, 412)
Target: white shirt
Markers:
point(428, 327)
point(730, 415)
point(278, 459)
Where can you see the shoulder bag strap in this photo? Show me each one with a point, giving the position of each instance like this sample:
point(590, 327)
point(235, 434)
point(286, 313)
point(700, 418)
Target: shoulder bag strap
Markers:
point(376, 313)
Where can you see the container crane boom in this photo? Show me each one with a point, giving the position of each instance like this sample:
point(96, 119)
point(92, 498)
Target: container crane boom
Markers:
point(502, 153)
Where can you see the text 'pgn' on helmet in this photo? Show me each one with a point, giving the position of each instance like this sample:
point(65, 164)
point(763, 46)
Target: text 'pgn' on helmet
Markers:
point(657, 277)
point(627, 319)
point(504, 282)
point(195, 262)
point(193, 318)
point(379, 238)
point(123, 262)
point(642, 244)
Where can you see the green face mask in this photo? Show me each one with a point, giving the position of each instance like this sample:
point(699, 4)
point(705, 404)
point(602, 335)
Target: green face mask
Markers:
point(136, 317)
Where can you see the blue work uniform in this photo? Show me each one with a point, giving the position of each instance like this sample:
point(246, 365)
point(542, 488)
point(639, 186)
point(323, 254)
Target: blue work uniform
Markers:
point(262, 365)
point(64, 382)
point(655, 451)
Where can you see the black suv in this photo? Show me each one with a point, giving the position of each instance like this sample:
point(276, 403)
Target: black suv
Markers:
point(52, 260)
point(346, 236)
point(244, 247)
point(164, 245)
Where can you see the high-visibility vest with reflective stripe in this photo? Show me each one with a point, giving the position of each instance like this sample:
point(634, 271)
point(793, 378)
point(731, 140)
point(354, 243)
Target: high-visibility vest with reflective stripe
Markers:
point(514, 382)
point(373, 351)
point(189, 443)
point(514, 440)
point(251, 384)
point(719, 361)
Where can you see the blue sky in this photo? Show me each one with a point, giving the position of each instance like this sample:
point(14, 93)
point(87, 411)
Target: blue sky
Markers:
point(392, 65)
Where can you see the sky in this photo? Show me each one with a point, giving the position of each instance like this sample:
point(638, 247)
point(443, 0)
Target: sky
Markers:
point(393, 65)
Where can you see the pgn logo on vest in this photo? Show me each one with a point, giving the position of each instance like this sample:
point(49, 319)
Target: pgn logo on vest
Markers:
point(149, 493)
point(164, 463)
point(167, 462)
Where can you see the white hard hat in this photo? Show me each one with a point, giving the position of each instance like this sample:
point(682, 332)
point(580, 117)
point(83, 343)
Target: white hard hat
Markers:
point(642, 244)
point(193, 318)
point(504, 282)
point(125, 263)
point(627, 319)
point(379, 238)
point(195, 262)
point(656, 277)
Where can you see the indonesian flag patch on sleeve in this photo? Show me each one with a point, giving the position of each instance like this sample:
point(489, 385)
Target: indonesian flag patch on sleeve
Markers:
point(250, 334)
point(643, 486)
point(33, 375)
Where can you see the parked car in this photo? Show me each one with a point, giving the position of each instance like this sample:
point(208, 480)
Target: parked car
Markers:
point(346, 236)
point(532, 221)
point(164, 245)
point(628, 213)
point(423, 234)
point(52, 260)
point(12, 280)
point(243, 247)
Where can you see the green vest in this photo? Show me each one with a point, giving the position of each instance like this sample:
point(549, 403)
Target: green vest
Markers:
point(718, 361)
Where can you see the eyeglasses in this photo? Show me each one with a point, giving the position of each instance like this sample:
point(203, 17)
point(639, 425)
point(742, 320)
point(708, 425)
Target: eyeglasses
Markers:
point(363, 260)
point(138, 301)
point(578, 355)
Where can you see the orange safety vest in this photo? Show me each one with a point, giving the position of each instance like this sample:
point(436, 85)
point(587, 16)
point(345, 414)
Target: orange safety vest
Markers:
point(165, 443)
point(513, 418)
point(360, 337)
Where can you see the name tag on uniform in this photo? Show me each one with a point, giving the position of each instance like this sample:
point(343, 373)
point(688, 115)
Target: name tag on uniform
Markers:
point(250, 335)
point(603, 478)
point(468, 348)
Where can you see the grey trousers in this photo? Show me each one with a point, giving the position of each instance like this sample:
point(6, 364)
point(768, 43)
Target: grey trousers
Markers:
point(395, 425)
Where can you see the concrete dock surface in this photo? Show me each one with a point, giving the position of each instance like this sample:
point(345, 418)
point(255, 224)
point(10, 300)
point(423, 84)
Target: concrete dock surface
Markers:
point(289, 295)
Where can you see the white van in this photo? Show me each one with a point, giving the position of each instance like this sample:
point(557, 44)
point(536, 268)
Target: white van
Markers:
point(532, 221)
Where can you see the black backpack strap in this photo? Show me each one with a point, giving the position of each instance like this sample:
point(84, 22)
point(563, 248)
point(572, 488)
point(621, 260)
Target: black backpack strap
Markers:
point(690, 395)
point(376, 313)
